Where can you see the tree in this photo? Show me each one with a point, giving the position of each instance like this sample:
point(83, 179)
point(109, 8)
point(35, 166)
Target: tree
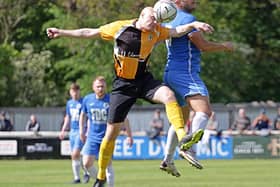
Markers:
point(7, 90)
point(32, 87)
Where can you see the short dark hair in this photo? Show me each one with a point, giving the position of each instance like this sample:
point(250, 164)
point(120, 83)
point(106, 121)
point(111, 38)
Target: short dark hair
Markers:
point(74, 86)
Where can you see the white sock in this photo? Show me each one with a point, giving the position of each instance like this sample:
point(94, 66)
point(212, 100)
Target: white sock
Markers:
point(92, 171)
point(110, 176)
point(171, 144)
point(76, 164)
point(83, 167)
point(199, 122)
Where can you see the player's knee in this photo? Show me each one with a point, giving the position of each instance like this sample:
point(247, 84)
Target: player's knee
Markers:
point(208, 113)
point(87, 165)
point(169, 95)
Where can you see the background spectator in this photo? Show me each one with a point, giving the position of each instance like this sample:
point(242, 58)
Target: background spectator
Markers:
point(242, 122)
point(126, 130)
point(276, 124)
point(262, 123)
point(156, 125)
point(5, 123)
point(33, 124)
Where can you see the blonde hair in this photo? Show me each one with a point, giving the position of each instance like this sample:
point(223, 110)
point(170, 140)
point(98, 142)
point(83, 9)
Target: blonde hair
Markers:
point(99, 78)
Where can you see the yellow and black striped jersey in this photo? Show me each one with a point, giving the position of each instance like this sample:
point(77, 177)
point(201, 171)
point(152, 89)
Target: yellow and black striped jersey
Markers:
point(132, 46)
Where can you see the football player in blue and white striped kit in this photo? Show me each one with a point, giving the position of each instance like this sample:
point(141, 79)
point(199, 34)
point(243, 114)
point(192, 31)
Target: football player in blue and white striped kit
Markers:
point(182, 76)
point(73, 110)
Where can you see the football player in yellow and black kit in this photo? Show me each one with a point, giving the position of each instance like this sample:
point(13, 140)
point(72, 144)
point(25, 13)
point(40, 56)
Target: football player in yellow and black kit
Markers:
point(134, 41)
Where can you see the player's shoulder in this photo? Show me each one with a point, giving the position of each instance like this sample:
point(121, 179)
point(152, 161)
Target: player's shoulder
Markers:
point(184, 17)
point(69, 101)
point(107, 97)
point(126, 22)
point(120, 23)
point(89, 96)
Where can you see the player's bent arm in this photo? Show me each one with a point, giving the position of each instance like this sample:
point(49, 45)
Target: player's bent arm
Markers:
point(78, 33)
point(207, 46)
point(65, 125)
point(183, 29)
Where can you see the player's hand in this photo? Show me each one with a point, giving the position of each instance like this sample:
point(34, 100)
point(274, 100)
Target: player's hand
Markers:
point(204, 27)
point(61, 135)
point(83, 137)
point(53, 32)
point(228, 46)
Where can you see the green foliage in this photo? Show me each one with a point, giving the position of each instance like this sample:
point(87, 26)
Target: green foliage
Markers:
point(7, 90)
point(32, 87)
point(35, 70)
point(253, 65)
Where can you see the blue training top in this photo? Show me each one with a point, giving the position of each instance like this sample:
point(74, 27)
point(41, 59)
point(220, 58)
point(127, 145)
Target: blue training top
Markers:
point(182, 54)
point(97, 113)
point(73, 110)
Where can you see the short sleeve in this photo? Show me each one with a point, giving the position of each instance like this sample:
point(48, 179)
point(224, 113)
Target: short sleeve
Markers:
point(164, 32)
point(108, 31)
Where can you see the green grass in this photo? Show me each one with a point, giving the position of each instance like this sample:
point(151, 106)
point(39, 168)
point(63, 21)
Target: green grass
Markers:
point(145, 173)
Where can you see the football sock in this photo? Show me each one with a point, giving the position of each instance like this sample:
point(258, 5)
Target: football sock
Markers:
point(110, 176)
point(92, 171)
point(199, 121)
point(175, 117)
point(105, 155)
point(76, 164)
point(171, 144)
point(83, 167)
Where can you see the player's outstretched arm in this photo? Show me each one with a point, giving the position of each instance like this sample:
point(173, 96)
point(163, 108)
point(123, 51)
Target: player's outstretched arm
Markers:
point(78, 33)
point(209, 46)
point(183, 29)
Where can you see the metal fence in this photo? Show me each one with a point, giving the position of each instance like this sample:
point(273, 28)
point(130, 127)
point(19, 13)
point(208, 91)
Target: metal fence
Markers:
point(139, 116)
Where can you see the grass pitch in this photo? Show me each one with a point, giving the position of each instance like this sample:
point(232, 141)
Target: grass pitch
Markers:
point(146, 173)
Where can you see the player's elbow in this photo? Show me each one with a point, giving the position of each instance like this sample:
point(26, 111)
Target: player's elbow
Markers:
point(204, 48)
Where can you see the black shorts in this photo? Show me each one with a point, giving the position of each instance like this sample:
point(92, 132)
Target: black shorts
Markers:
point(125, 93)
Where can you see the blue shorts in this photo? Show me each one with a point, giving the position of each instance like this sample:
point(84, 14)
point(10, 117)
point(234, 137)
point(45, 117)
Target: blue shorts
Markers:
point(75, 141)
point(185, 84)
point(91, 148)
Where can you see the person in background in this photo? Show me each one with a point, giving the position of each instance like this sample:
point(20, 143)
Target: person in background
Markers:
point(95, 109)
point(33, 124)
point(126, 130)
point(5, 123)
point(73, 110)
point(262, 124)
point(156, 126)
point(242, 122)
point(276, 123)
